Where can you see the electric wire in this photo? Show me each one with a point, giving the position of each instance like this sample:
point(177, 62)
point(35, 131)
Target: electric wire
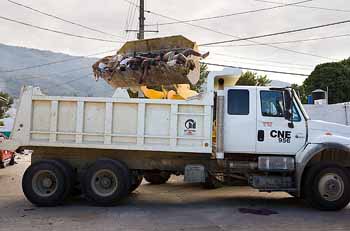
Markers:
point(58, 32)
point(54, 62)
point(286, 42)
point(238, 37)
point(232, 14)
point(277, 33)
point(256, 69)
point(310, 7)
point(62, 19)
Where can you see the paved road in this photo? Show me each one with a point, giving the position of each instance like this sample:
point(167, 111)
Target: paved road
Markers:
point(174, 206)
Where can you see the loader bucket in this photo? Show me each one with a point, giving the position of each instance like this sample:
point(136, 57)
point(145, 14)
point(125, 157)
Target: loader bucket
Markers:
point(160, 74)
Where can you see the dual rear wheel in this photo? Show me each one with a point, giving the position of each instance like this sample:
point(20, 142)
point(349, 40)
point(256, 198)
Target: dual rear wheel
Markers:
point(50, 182)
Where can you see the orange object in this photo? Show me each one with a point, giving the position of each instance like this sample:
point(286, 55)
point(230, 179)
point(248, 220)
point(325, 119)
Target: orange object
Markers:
point(6, 157)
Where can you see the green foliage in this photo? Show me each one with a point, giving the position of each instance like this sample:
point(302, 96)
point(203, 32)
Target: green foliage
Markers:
point(2, 123)
point(335, 76)
point(203, 77)
point(5, 103)
point(253, 79)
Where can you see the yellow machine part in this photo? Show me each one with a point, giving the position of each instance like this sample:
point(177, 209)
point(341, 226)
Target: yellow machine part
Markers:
point(183, 92)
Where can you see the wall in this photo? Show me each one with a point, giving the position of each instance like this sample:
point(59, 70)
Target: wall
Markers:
point(336, 113)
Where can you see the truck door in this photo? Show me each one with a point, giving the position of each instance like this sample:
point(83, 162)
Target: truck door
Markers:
point(275, 134)
point(240, 120)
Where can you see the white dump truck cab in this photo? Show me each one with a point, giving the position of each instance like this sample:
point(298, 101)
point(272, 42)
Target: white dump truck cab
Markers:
point(267, 131)
point(264, 121)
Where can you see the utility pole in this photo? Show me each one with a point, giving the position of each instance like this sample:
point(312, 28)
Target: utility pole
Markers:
point(141, 31)
point(141, 34)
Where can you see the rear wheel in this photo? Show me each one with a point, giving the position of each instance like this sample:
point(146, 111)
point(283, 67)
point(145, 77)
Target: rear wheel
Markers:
point(327, 187)
point(106, 182)
point(157, 177)
point(46, 183)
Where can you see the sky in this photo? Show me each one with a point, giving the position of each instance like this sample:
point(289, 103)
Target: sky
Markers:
point(111, 16)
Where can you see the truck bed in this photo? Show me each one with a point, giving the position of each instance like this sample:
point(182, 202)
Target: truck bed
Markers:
point(113, 123)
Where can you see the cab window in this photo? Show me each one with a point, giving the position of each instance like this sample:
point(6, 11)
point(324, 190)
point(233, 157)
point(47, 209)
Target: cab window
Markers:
point(272, 103)
point(238, 102)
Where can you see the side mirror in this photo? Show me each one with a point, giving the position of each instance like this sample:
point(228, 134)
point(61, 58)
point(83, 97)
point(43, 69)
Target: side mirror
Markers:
point(288, 102)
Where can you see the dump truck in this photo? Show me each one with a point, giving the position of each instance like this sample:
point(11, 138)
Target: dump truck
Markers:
point(105, 146)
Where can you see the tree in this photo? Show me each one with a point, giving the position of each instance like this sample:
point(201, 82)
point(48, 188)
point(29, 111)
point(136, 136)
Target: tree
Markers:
point(253, 79)
point(5, 103)
point(335, 76)
point(202, 78)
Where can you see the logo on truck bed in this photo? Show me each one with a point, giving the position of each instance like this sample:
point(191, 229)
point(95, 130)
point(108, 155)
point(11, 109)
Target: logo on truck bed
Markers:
point(191, 127)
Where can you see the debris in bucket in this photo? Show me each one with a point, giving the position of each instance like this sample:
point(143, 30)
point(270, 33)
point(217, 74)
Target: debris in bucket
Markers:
point(152, 62)
point(263, 212)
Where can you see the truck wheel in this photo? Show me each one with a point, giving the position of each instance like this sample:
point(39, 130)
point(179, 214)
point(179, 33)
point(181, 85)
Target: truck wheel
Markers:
point(157, 177)
point(136, 181)
point(46, 183)
point(327, 187)
point(71, 178)
point(106, 182)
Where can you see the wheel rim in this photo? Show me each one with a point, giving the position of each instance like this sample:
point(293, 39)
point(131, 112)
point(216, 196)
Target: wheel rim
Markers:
point(45, 183)
point(104, 182)
point(331, 187)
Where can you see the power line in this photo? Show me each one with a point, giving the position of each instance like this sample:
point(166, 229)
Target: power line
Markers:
point(263, 60)
point(70, 81)
point(62, 19)
point(238, 37)
point(232, 14)
point(287, 42)
point(262, 64)
point(255, 69)
point(59, 32)
point(277, 33)
point(310, 7)
point(55, 62)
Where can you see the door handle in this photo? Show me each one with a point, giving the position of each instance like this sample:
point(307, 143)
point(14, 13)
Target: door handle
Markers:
point(261, 135)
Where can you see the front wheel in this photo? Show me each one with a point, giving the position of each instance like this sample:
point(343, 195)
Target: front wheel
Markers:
point(327, 187)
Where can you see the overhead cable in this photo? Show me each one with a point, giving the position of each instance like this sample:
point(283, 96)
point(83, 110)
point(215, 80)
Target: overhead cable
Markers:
point(59, 32)
point(62, 19)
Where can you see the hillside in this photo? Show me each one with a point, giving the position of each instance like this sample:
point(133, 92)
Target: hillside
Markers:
point(65, 78)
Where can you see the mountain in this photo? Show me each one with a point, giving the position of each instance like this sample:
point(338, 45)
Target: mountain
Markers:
point(71, 78)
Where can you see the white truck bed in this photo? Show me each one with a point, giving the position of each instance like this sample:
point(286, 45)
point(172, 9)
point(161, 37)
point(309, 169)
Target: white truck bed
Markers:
point(113, 123)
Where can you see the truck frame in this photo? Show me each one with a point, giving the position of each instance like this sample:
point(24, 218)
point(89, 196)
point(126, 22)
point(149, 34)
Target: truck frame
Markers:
point(103, 147)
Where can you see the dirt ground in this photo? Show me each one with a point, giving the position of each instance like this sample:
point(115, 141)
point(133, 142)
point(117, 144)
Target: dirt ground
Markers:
point(173, 206)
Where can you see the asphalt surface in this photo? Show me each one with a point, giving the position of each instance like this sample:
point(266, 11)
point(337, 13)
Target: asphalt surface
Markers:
point(173, 206)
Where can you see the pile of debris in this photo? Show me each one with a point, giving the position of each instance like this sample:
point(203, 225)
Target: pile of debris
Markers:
point(152, 62)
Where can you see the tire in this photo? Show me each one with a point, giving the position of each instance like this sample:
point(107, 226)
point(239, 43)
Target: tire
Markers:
point(71, 176)
point(136, 182)
point(106, 182)
point(46, 183)
point(327, 187)
point(157, 177)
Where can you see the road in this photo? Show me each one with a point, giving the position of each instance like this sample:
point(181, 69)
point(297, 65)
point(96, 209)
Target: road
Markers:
point(173, 206)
